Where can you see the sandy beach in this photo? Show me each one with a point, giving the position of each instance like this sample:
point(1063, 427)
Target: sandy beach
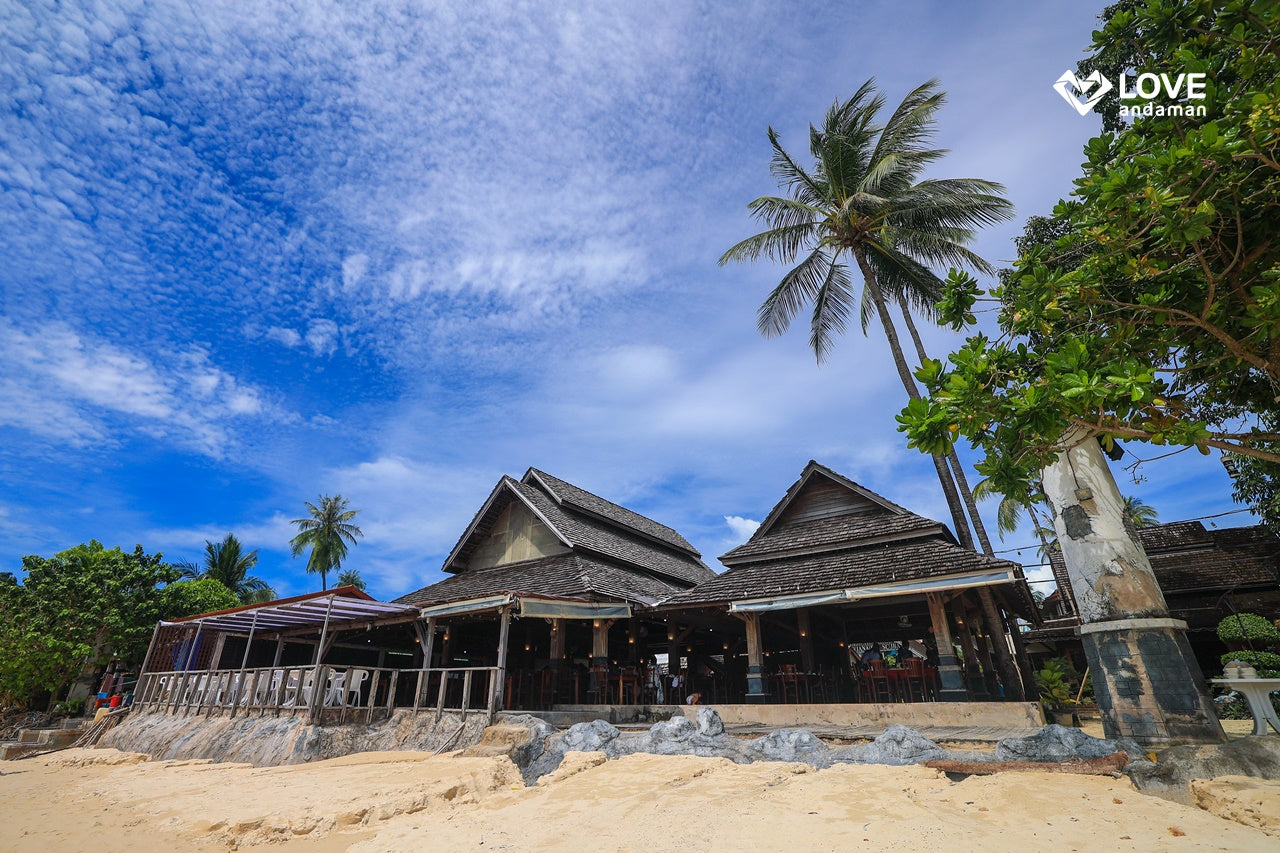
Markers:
point(106, 800)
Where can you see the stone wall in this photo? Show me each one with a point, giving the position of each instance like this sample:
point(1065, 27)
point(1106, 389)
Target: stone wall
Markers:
point(269, 741)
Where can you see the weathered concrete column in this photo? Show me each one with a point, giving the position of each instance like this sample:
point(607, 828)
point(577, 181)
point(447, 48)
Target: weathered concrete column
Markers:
point(756, 692)
point(1146, 679)
point(952, 687)
point(1009, 674)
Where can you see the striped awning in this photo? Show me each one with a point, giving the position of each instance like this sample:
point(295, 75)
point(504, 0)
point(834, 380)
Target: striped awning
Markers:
point(346, 604)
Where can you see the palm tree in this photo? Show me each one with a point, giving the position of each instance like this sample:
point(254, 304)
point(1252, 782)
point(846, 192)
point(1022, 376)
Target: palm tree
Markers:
point(351, 577)
point(227, 563)
point(864, 200)
point(327, 532)
point(1141, 513)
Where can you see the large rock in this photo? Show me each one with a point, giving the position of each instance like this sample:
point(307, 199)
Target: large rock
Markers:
point(709, 722)
point(1061, 743)
point(1244, 799)
point(791, 745)
point(1256, 757)
point(896, 745)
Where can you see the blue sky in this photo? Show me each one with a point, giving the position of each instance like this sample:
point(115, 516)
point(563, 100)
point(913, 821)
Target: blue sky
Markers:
point(253, 253)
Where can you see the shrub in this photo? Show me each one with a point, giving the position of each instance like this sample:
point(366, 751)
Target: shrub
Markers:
point(1247, 627)
point(1266, 663)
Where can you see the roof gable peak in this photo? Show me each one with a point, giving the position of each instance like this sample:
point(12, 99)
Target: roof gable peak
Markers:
point(844, 497)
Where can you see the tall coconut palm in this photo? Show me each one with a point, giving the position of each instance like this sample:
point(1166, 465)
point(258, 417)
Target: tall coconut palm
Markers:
point(227, 563)
point(864, 200)
point(351, 577)
point(327, 532)
point(1141, 513)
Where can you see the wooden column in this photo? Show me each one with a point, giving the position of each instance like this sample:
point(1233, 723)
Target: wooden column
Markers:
point(952, 688)
point(1009, 675)
point(497, 682)
point(971, 667)
point(556, 655)
point(1029, 689)
point(806, 639)
point(600, 642)
point(756, 692)
point(275, 661)
point(215, 660)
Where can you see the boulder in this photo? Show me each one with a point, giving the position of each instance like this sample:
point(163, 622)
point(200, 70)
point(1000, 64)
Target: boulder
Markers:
point(897, 745)
point(1063, 743)
point(1257, 757)
point(709, 722)
point(791, 745)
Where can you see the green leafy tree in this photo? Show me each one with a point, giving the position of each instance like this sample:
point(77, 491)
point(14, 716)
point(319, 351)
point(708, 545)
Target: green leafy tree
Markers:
point(1148, 307)
point(77, 609)
point(351, 577)
point(864, 202)
point(1141, 513)
point(327, 531)
point(227, 563)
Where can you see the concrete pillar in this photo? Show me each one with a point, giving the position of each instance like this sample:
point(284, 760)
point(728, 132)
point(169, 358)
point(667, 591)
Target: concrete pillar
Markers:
point(1009, 675)
point(756, 691)
point(952, 687)
point(1146, 679)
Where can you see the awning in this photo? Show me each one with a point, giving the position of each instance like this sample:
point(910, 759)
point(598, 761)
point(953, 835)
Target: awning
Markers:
point(343, 605)
point(946, 582)
point(838, 596)
point(787, 602)
point(552, 608)
point(471, 605)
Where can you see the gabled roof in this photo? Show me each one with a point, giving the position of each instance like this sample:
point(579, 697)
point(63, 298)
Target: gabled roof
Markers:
point(611, 551)
point(340, 605)
point(817, 469)
point(561, 576)
point(842, 536)
point(580, 499)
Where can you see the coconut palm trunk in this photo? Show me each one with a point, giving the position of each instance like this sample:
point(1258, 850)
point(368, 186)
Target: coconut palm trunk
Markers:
point(962, 482)
point(909, 383)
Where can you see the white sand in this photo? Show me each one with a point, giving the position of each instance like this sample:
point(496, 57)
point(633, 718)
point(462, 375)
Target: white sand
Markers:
point(74, 801)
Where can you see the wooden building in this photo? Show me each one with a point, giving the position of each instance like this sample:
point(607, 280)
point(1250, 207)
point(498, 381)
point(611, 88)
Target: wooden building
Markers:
point(1205, 575)
point(835, 565)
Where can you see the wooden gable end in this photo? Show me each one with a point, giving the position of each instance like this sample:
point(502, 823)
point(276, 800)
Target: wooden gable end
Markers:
point(822, 497)
point(512, 534)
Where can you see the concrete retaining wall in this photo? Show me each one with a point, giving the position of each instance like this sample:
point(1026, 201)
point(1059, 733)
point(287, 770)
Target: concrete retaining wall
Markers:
point(270, 741)
point(916, 714)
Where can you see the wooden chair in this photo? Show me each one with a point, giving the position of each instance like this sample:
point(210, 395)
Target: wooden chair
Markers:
point(877, 679)
point(914, 680)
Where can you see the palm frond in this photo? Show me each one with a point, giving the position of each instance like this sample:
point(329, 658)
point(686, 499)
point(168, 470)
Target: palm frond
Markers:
point(831, 308)
point(798, 287)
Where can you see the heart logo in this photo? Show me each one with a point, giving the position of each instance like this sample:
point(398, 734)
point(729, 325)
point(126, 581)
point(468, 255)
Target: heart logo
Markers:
point(1069, 83)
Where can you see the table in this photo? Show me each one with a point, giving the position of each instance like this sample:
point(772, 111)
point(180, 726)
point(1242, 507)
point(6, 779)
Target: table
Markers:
point(1257, 691)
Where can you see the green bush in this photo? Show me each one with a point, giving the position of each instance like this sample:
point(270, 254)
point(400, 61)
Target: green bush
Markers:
point(1053, 682)
point(1247, 627)
point(1266, 663)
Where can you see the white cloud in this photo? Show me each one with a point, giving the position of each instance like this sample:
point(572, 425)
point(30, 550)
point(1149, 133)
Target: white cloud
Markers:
point(742, 528)
point(322, 337)
point(281, 335)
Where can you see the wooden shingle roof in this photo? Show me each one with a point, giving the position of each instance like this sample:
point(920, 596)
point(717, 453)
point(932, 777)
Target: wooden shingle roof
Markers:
point(829, 533)
point(610, 551)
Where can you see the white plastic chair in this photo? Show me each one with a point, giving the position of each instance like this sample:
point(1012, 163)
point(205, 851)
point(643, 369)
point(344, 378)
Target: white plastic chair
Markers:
point(335, 688)
point(358, 678)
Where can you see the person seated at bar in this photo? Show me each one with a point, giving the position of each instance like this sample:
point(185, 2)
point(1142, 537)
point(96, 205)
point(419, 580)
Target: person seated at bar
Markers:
point(871, 654)
point(904, 654)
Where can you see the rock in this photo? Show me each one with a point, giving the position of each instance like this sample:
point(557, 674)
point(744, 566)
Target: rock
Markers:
point(588, 737)
point(709, 722)
point(897, 745)
point(791, 745)
point(1244, 799)
point(675, 729)
point(1257, 757)
point(1062, 743)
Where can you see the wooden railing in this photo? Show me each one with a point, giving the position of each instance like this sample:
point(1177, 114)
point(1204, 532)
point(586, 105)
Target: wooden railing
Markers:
point(344, 691)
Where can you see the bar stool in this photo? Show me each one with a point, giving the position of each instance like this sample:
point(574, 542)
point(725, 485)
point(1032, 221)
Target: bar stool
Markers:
point(877, 680)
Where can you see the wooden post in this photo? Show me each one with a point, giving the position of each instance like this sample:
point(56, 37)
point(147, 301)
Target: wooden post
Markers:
point(1029, 689)
point(806, 639)
point(558, 631)
point(497, 681)
point(756, 692)
point(600, 642)
point(186, 668)
point(215, 660)
point(244, 661)
point(952, 681)
point(1009, 674)
point(275, 661)
point(317, 689)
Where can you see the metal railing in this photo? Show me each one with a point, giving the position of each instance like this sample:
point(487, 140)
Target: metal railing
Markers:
point(351, 690)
